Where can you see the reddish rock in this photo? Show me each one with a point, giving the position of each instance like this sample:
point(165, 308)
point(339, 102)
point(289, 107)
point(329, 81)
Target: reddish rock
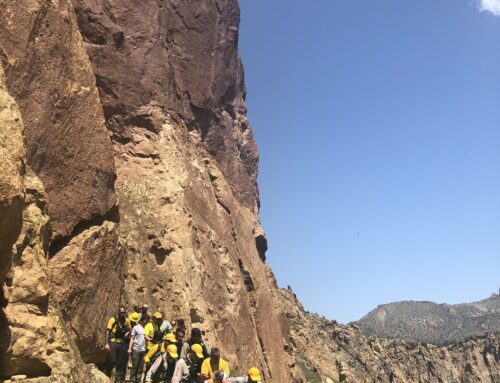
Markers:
point(49, 75)
point(86, 283)
point(180, 57)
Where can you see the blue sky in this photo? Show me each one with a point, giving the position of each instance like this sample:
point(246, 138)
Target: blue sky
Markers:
point(378, 124)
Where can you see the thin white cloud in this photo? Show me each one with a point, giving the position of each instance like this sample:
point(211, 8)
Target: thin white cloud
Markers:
point(492, 6)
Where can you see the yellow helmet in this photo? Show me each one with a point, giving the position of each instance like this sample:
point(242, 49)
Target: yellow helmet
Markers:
point(254, 374)
point(198, 350)
point(172, 351)
point(170, 337)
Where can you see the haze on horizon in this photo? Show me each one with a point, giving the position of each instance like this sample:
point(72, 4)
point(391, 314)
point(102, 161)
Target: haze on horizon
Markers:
point(378, 125)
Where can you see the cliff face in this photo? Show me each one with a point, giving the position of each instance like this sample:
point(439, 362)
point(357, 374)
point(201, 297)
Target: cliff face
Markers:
point(128, 175)
point(134, 122)
point(33, 338)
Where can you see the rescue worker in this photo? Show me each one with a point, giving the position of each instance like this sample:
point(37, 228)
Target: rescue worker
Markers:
point(166, 326)
point(188, 370)
point(117, 331)
point(213, 364)
point(195, 339)
point(144, 310)
point(152, 331)
point(137, 346)
point(253, 376)
point(179, 337)
point(155, 350)
point(162, 370)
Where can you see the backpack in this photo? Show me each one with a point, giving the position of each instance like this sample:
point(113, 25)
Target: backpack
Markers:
point(160, 375)
point(202, 344)
point(194, 368)
point(120, 329)
point(163, 374)
point(158, 335)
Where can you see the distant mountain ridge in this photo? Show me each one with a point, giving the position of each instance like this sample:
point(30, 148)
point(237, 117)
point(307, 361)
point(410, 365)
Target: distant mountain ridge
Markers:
point(440, 324)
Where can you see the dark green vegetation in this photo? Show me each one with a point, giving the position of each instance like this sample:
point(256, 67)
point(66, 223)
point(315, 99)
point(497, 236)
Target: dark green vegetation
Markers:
point(440, 324)
point(309, 375)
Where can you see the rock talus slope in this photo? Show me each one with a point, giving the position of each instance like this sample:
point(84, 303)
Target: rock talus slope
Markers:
point(128, 175)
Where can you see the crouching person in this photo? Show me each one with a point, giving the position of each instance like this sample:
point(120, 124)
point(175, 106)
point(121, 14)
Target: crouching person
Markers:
point(162, 370)
point(253, 376)
point(188, 369)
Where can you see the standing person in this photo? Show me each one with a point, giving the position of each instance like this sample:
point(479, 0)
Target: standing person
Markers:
point(162, 370)
point(166, 327)
point(181, 325)
point(178, 324)
point(179, 337)
point(188, 370)
point(152, 331)
point(213, 364)
point(144, 310)
point(117, 331)
point(253, 376)
point(195, 339)
point(137, 347)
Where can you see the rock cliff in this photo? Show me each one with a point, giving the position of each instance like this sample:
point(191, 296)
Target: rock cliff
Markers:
point(133, 122)
point(128, 175)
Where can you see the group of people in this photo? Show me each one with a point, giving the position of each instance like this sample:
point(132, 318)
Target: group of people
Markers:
point(160, 354)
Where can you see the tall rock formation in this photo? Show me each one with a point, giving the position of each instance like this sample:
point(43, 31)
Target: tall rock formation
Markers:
point(33, 338)
point(128, 175)
point(135, 123)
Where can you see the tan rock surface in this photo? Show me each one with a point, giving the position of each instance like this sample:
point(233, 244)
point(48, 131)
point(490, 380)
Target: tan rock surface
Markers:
point(33, 340)
point(192, 250)
point(12, 168)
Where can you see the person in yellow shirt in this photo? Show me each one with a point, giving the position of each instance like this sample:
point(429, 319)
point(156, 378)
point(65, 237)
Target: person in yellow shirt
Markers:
point(117, 331)
point(167, 340)
point(163, 368)
point(213, 364)
point(153, 332)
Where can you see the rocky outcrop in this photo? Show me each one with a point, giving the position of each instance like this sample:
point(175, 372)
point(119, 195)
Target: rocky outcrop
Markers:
point(33, 340)
point(326, 349)
point(48, 73)
point(85, 275)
